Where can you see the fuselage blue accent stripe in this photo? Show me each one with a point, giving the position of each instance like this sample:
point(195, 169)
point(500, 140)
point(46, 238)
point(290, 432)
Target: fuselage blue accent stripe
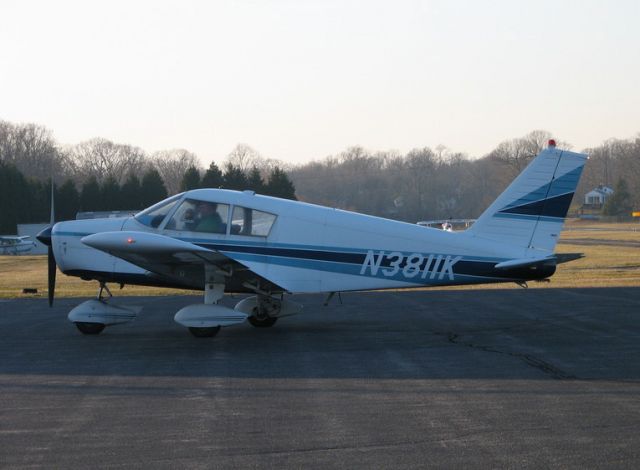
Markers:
point(354, 270)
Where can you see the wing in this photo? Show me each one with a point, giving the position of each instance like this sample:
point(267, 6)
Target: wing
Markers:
point(177, 261)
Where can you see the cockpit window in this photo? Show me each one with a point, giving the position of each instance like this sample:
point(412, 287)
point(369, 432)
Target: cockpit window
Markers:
point(251, 222)
point(200, 216)
point(154, 215)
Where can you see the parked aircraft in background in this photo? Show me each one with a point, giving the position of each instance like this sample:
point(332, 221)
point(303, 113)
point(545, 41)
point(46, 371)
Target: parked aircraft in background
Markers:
point(229, 241)
point(451, 225)
point(12, 244)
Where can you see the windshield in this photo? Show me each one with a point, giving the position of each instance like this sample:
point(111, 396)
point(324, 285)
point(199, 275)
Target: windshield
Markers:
point(154, 215)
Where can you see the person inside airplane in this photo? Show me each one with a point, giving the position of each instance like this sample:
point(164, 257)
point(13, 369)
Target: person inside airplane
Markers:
point(189, 219)
point(209, 218)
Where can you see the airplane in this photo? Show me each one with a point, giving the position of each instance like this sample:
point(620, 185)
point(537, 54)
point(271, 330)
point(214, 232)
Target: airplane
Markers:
point(12, 244)
point(222, 241)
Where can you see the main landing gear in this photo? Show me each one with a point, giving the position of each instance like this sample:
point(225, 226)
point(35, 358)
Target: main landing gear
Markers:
point(205, 320)
point(265, 313)
point(262, 322)
point(200, 332)
point(264, 310)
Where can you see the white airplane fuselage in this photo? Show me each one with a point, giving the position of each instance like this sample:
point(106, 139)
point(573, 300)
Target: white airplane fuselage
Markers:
point(309, 249)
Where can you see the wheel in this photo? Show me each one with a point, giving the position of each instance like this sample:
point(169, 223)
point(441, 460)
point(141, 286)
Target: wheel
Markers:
point(200, 332)
point(265, 322)
point(90, 328)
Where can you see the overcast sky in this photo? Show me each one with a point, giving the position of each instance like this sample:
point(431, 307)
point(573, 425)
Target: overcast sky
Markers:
point(300, 80)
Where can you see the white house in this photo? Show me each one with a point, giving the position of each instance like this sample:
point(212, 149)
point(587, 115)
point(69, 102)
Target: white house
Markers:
point(597, 196)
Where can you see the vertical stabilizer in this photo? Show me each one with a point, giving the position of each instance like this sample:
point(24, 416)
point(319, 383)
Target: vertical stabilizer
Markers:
point(531, 211)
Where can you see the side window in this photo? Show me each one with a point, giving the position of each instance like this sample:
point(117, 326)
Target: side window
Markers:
point(251, 222)
point(200, 216)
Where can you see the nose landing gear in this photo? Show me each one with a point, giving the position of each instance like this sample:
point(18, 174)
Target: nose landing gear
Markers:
point(92, 316)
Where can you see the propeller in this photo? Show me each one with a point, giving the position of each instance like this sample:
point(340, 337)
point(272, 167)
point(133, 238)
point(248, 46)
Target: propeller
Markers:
point(45, 238)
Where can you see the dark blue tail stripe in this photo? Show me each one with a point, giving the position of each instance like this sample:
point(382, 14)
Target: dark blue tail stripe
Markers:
point(556, 206)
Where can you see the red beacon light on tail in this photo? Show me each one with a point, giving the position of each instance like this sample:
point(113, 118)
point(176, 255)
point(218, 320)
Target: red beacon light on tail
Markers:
point(552, 142)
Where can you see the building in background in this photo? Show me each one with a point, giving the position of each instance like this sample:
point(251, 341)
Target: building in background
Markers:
point(596, 198)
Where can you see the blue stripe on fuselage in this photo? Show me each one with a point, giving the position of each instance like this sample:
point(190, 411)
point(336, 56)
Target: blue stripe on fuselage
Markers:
point(345, 260)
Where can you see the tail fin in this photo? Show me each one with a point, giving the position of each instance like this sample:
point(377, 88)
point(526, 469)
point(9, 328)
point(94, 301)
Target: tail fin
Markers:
point(531, 211)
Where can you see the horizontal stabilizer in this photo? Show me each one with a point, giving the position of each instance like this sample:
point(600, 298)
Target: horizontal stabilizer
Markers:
point(523, 262)
point(566, 257)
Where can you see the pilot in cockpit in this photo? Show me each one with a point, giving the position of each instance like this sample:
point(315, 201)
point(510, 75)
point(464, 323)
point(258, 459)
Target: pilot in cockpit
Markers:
point(189, 220)
point(208, 219)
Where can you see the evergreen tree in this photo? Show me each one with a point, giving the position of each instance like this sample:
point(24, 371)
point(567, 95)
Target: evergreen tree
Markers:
point(14, 198)
point(90, 195)
point(254, 181)
point(279, 185)
point(110, 194)
point(234, 178)
point(153, 189)
point(67, 201)
point(213, 177)
point(38, 203)
point(131, 193)
point(619, 203)
point(191, 179)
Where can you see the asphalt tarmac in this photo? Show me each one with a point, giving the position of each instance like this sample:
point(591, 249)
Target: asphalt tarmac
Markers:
point(479, 379)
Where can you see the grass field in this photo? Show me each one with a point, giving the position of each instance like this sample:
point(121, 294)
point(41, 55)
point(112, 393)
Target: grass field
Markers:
point(612, 258)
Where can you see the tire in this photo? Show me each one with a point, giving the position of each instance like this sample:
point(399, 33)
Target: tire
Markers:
point(267, 322)
point(87, 328)
point(208, 332)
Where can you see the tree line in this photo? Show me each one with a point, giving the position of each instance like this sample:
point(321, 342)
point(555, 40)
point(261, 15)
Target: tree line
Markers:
point(422, 184)
point(99, 175)
point(428, 184)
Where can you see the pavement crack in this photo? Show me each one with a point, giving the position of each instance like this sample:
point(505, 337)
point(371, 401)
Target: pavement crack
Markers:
point(532, 361)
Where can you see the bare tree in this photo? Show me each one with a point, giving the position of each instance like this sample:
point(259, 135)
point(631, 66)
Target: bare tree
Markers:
point(517, 153)
point(102, 158)
point(172, 166)
point(244, 157)
point(32, 149)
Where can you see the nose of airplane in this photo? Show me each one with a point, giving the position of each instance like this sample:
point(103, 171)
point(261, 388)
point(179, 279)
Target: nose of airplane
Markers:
point(66, 250)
